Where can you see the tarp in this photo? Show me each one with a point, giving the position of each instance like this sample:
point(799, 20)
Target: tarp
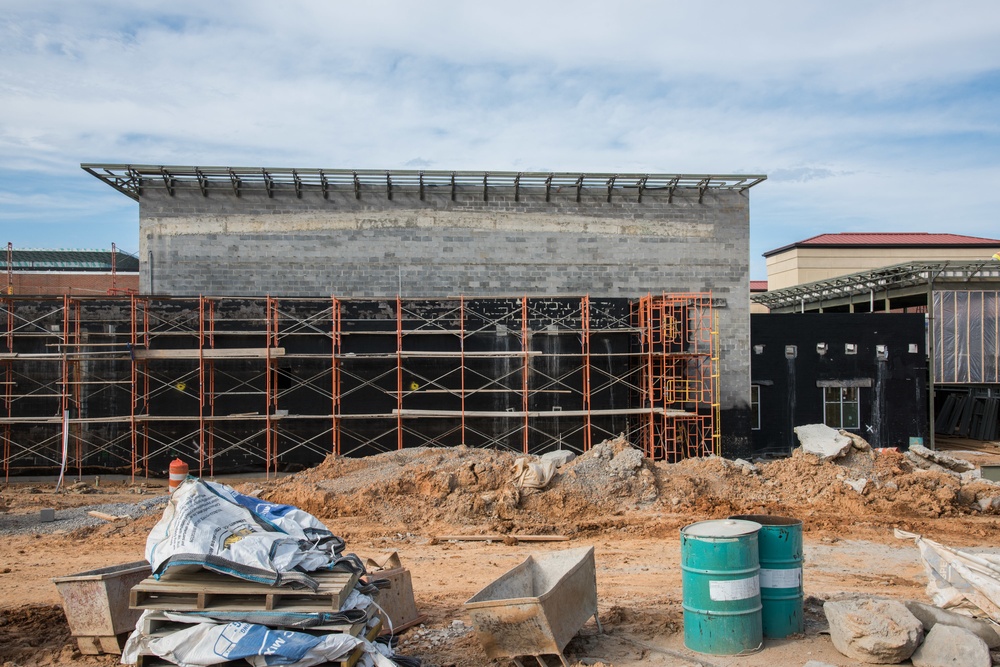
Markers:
point(204, 644)
point(959, 580)
point(966, 331)
point(212, 526)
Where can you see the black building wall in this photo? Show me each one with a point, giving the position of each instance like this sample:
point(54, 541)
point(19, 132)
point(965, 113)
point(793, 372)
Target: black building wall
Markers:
point(795, 356)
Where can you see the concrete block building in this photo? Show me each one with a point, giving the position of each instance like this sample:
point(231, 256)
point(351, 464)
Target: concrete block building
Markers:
point(527, 248)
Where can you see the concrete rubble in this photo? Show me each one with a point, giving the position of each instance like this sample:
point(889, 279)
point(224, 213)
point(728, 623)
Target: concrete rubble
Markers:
point(857, 484)
point(930, 460)
point(873, 630)
point(822, 441)
point(559, 457)
point(930, 616)
point(950, 646)
point(857, 441)
point(923, 454)
point(747, 467)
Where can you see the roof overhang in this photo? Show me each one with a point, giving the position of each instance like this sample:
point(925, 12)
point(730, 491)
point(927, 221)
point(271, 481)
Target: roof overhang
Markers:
point(131, 179)
point(895, 280)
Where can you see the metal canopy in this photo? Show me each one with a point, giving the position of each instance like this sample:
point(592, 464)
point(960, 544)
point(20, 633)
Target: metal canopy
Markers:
point(131, 180)
point(879, 281)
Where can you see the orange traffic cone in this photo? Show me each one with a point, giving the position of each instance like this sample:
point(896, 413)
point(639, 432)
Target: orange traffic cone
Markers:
point(178, 473)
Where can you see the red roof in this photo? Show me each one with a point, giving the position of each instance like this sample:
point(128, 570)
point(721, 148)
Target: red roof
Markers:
point(758, 285)
point(889, 239)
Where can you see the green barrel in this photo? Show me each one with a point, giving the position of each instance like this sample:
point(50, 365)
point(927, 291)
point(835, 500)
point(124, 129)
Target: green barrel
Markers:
point(721, 583)
point(780, 543)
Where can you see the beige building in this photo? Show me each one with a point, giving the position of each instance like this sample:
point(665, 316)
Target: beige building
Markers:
point(831, 255)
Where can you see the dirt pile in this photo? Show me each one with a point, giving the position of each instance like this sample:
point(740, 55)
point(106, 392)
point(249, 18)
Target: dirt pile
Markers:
point(38, 635)
point(612, 485)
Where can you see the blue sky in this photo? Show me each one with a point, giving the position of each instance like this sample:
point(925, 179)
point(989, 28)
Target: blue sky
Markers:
point(866, 116)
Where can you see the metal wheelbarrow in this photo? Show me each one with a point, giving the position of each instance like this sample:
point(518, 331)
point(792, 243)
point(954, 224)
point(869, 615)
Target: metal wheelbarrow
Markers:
point(537, 607)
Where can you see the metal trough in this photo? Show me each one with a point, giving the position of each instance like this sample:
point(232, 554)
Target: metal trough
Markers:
point(537, 607)
point(96, 605)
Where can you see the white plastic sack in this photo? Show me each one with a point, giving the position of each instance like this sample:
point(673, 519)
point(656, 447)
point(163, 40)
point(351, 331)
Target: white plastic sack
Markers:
point(213, 526)
point(528, 475)
point(205, 644)
point(958, 580)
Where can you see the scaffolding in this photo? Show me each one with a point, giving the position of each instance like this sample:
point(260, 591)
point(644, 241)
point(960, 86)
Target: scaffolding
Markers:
point(270, 383)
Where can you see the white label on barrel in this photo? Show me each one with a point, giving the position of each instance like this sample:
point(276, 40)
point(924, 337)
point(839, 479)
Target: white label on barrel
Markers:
point(781, 578)
point(737, 589)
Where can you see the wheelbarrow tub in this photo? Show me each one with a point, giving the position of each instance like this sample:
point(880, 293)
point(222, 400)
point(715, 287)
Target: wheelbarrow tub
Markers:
point(96, 605)
point(536, 607)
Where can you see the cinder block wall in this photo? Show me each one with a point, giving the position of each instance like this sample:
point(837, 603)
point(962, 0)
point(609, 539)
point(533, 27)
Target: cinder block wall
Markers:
point(286, 245)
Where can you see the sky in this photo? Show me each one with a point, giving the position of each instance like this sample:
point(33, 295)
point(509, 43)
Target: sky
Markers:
point(865, 116)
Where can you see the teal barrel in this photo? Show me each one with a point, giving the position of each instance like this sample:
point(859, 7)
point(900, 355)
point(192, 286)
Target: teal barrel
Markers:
point(720, 577)
point(780, 544)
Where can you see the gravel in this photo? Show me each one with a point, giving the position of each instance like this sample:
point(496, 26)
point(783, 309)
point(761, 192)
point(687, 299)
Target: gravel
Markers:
point(74, 518)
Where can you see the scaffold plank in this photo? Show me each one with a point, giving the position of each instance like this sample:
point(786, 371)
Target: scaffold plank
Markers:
point(213, 353)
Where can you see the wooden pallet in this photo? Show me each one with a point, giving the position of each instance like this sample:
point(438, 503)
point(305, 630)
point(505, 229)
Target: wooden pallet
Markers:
point(349, 661)
point(158, 624)
point(200, 591)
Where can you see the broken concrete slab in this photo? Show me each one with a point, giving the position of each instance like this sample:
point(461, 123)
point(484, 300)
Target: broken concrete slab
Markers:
point(873, 630)
point(822, 441)
point(559, 457)
point(857, 484)
point(988, 503)
point(747, 467)
point(941, 459)
point(951, 646)
point(857, 441)
point(920, 463)
point(930, 616)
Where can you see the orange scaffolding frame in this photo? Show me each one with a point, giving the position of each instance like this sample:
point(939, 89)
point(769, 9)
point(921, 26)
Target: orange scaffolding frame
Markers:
point(671, 369)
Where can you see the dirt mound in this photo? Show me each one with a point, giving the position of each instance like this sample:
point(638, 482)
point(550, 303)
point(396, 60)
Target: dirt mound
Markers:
point(473, 490)
point(39, 635)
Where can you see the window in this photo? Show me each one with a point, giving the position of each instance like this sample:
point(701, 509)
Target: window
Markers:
point(755, 407)
point(840, 407)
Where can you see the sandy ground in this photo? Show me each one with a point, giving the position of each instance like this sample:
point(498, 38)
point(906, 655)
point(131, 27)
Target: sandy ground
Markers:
point(632, 520)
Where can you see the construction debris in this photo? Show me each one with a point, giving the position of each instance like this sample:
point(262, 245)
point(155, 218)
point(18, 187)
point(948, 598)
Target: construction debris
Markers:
point(959, 580)
point(559, 457)
point(949, 646)
point(505, 539)
point(533, 475)
point(930, 616)
point(873, 630)
point(822, 441)
point(747, 467)
point(398, 499)
point(930, 460)
point(857, 441)
point(858, 485)
point(230, 587)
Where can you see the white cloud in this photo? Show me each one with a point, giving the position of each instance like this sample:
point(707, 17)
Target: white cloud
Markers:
point(853, 107)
